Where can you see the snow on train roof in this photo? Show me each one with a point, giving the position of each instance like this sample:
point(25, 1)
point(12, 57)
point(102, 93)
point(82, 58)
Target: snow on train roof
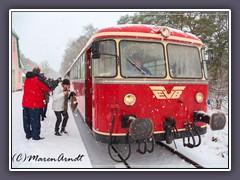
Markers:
point(141, 31)
point(150, 30)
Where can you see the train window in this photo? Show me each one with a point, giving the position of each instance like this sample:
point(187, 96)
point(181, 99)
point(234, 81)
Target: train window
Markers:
point(184, 61)
point(205, 67)
point(142, 59)
point(83, 66)
point(78, 70)
point(106, 65)
point(74, 71)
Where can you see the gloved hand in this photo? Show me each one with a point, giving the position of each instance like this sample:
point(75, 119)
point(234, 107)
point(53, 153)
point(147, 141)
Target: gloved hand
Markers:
point(71, 94)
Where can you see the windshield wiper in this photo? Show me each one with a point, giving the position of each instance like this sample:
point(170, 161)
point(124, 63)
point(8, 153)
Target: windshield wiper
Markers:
point(136, 66)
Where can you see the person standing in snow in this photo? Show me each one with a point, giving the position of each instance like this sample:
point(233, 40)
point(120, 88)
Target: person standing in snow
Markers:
point(44, 110)
point(60, 105)
point(46, 101)
point(33, 103)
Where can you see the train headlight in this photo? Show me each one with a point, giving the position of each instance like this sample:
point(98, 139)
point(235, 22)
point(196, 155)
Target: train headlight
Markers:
point(165, 32)
point(129, 99)
point(199, 97)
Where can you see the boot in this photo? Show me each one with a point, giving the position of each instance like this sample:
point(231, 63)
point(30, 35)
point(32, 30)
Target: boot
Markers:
point(40, 138)
point(57, 133)
point(63, 131)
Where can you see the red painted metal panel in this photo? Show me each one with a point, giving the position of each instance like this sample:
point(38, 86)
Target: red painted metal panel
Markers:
point(88, 90)
point(179, 106)
point(79, 89)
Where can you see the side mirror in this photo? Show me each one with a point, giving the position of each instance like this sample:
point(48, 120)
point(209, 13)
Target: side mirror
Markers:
point(207, 55)
point(210, 55)
point(95, 50)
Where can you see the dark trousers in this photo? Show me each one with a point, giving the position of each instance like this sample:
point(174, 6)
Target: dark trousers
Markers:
point(31, 122)
point(44, 111)
point(59, 115)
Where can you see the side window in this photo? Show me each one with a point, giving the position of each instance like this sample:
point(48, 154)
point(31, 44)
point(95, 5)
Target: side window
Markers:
point(78, 69)
point(83, 67)
point(106, 65)
point(74, 72)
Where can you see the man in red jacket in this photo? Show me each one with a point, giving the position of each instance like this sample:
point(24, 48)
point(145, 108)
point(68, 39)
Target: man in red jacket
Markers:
point(33, 102)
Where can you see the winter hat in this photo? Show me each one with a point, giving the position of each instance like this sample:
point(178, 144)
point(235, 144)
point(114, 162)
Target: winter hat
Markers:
point(36, 70)
point(65, 82)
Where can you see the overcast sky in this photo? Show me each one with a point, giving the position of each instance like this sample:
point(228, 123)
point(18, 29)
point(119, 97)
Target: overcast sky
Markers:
point(44, 35)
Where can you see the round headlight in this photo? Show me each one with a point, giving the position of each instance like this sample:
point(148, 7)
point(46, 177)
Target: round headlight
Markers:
point(165, 32)
point(199, 97)
point(129, 99)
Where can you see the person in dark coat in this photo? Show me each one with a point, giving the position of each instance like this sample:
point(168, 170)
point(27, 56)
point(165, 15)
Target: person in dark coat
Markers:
point(44, 110)
point(33, 102)
point(46, 101)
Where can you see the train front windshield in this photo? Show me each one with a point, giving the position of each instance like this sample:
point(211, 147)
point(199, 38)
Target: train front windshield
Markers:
point(184, 61)
point(141, 59)
point(146, 59)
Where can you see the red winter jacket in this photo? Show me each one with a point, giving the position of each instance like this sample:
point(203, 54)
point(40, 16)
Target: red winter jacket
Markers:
point(34, 89)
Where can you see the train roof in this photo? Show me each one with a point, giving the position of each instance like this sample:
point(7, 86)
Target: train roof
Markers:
point(144, 31)
point(147, 32)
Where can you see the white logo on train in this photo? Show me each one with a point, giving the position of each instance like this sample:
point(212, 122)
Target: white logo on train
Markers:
point(161, 93)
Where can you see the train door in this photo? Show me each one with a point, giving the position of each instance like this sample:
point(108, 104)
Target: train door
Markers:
point(88, 92)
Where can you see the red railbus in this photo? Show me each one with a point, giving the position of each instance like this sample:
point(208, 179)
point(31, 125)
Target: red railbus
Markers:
point(143, 83)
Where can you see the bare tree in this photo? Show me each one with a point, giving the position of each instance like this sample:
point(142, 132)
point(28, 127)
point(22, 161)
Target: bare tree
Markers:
point(74, 47)
point(45, 67)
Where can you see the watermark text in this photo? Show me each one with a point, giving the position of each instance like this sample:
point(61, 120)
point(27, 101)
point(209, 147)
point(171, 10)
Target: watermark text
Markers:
point(23, 157)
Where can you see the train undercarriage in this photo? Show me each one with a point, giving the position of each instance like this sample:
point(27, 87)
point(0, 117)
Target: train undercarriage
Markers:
point(141, 131)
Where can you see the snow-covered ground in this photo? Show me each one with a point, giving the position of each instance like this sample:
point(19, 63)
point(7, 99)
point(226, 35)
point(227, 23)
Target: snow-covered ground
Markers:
point(71, 152)
point(67, 149)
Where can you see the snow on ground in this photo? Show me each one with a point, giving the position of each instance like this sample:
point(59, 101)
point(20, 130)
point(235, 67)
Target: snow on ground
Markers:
point(68, 150)
point(214, 149)
point(160, 158)
point(212, 153)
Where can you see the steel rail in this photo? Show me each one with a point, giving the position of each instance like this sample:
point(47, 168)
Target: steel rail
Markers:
point(174, 151)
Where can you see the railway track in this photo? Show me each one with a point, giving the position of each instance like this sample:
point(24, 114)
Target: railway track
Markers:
point(121, 158)
point(101, 159)
point(172, 150)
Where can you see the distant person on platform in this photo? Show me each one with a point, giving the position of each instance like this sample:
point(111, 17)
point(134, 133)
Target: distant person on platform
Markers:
point(46, 101)
point(33, 103)
point(60, 106)
point(44, 110)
